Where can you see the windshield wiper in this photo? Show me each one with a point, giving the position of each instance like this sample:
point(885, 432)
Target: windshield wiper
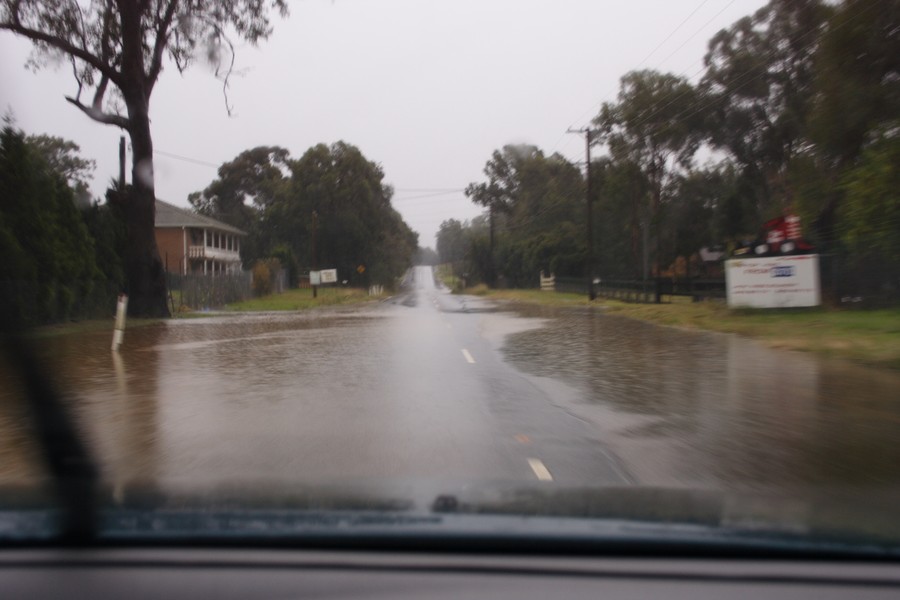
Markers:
point(67, 459)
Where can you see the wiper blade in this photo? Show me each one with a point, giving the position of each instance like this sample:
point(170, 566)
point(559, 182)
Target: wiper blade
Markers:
point(67, 458)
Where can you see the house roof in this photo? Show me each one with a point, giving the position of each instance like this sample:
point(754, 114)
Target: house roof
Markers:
point(169, 215)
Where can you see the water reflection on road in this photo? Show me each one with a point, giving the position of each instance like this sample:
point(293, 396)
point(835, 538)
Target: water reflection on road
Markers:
point(383, 390)
point(697, 408)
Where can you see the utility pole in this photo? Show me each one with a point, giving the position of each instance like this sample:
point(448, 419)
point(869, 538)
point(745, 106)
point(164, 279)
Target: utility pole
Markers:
point(121, 163)
point(313, 259)
point(590, 212)
point(492, 279)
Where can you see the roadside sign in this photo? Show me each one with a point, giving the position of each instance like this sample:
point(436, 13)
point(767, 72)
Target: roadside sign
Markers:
point(776, 282)
point(329, 275)
point(315, 278)
point(361, 269)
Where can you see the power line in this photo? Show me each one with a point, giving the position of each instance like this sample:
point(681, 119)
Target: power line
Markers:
point(693, 35)
point(188, 159)
point(674, 31)
point(432, 195)
point(596, 106)
point(694, 110)
point(428, 189)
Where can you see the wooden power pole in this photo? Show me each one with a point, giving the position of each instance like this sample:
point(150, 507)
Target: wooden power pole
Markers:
point(590, 212)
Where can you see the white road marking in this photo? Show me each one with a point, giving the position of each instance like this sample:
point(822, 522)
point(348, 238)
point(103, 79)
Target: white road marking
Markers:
point(539, 469)
point(468, 357)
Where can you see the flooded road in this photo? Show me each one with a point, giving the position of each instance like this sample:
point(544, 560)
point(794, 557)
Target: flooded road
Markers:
point(431, 387)
point(716, 410)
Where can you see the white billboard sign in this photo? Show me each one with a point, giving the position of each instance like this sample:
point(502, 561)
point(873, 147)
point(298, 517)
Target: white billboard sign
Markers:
point(329, 275)
point(774, 282)
point(315, 278)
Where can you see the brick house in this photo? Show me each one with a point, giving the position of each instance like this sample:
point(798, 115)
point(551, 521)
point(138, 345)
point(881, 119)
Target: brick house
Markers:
point(192, 244)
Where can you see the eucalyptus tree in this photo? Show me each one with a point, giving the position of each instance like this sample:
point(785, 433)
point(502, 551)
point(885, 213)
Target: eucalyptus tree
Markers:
point(534, 213)
point(117, 50)
point(337, 197)
point(758, 87)
point(246, 186)
point(854, 118)
point(655, 126)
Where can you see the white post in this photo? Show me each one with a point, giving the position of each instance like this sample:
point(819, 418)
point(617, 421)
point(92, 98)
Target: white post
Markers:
point(119, 331)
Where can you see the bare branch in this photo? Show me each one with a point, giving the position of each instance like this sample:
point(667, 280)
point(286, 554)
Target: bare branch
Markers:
point(100, 116)
point(227, 76)
point(83, 28)
point(63, 45)
point(77, 76)
point(97, 104)
point(162, 41)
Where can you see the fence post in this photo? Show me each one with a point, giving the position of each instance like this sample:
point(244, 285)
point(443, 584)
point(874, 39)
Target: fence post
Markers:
point(119, 331)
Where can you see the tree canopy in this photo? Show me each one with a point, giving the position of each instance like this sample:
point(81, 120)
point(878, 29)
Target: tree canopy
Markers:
point(49, 270)
point(117, 50)
point(331, 193)
point(796, 111)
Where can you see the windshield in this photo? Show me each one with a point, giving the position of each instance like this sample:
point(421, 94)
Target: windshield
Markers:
point(455, 261)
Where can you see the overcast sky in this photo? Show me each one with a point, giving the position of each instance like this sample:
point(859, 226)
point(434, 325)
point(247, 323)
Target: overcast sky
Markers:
point(426, 88)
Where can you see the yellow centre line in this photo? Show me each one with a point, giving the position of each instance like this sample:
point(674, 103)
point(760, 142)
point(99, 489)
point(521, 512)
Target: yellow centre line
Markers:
point(540, 471)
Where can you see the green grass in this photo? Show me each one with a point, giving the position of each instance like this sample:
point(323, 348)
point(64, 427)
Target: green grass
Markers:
point(445, 274)
point(532, 296)
point(301, 299)
point(866, 336)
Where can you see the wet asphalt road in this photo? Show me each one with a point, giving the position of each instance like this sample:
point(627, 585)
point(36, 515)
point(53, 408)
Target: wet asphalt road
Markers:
point(485, 419)
point(429, 392)
point(410, 391)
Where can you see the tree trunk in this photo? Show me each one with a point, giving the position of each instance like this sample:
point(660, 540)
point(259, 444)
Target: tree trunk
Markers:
point(144, 274)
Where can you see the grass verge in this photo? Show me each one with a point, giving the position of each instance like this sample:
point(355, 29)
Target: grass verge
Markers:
point(866, 336)
point(444, 273)
point(301, 299)
point(532, 296)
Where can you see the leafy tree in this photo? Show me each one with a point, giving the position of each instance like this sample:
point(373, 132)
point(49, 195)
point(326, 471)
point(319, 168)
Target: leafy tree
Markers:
point(856, 103)
point(356, 224)
point(496, 194)
point(527, 194)
point(245, 185)
point(245, 188)
point(451, 242)
point(691, 221)
point(62, 157)
point(106, 227)
point(758, 87)
point(119, 46)
point(49, 269)
point(621, 214)
point(871, 212)
point(857, 79)
point(478, 261)
point(654, 126)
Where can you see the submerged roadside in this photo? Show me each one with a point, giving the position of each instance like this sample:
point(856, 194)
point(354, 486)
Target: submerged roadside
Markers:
point(290, 300)
point(302, 299)
point(870, 337)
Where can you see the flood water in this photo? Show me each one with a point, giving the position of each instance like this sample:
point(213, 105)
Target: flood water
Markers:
point(707, 409)
point(287, 395)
